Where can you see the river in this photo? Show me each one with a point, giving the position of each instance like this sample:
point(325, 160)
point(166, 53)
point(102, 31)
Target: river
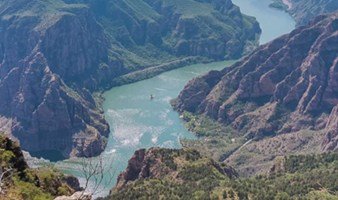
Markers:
point(137, 122)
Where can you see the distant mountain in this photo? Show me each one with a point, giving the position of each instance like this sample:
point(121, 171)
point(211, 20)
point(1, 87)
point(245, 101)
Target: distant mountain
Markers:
point(305, 10)
point(54, 54)
point(286, 86)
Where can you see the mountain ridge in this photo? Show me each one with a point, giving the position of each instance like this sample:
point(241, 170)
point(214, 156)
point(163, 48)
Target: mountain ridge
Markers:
point(56, 54)
point(285, 86)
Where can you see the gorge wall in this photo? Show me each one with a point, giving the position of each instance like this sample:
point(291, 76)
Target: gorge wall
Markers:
point(284, 86)
point(55, 54)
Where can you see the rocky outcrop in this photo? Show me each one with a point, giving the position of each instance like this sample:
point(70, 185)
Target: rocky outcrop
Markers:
point(157, 163)
point(144, 164)
point(331, 140)
point(303, 11)
point(40, 183)
point(76, 196)
point(55, 54)
point(284, 86)
point(39, 62)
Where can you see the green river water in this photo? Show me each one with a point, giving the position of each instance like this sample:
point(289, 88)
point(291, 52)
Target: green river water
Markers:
point(138, 122)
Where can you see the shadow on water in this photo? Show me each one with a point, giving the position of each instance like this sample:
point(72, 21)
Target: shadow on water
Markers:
point(51, 155)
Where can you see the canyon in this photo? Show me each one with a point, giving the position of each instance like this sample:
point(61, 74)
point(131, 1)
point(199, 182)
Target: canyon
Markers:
point(56, 54)
point(283, 88)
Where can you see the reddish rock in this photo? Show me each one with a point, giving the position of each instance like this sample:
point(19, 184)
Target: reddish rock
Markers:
point(41, 90)
point(284, 86)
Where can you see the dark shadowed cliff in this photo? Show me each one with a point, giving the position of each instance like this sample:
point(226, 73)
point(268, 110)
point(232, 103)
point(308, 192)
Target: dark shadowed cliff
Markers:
point(55, 54)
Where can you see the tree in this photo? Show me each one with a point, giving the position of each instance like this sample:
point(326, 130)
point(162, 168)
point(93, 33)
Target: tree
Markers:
point(5, 177)
point(95, 171)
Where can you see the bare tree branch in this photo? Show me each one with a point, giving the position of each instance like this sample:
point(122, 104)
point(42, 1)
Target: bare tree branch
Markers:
point(4, 177)
point(95, 171)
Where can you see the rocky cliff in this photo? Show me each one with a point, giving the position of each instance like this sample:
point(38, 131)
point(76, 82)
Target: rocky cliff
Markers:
point(284, 86)
point(304, 11)
point(210, 28)
point(55, 54)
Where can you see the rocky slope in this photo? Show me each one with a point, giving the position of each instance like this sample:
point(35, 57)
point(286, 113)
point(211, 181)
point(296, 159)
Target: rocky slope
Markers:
point(182, 171)
point(158, 163)
point(285, 86)
point(55, 54)
point(20, 182)
point(304, 11)
point(183, 174)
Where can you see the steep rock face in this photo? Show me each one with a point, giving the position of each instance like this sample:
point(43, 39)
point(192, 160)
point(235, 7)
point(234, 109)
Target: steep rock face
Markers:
point(305, 10)
point(331, 140)
point(38, 61)
point(144, 164)
point(55, 54)
point(214, 29)
point(284, 86)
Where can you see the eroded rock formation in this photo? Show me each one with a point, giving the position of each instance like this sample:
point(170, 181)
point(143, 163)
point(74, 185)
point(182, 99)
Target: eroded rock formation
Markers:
point(287, 85)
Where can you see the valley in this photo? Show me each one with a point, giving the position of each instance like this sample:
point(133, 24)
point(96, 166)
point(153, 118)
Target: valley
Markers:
point(138, 122)
point(193, 99)
point(56, 56)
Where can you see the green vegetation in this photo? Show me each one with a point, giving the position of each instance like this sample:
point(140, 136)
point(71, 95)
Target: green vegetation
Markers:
point(300, 177)
point(204, 126)
point(194, 177)
point(215, 140)
point(142, 36)
point(153, 71)
point(20, 182)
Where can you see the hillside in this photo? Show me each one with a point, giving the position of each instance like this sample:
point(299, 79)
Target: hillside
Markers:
point(287, 86)
point(184, 174)
point(304, 11)
point(19, 182)
point(56, 54)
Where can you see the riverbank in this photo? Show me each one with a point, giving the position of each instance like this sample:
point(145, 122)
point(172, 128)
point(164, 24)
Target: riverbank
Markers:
point(150, 72)
point(138, 122)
